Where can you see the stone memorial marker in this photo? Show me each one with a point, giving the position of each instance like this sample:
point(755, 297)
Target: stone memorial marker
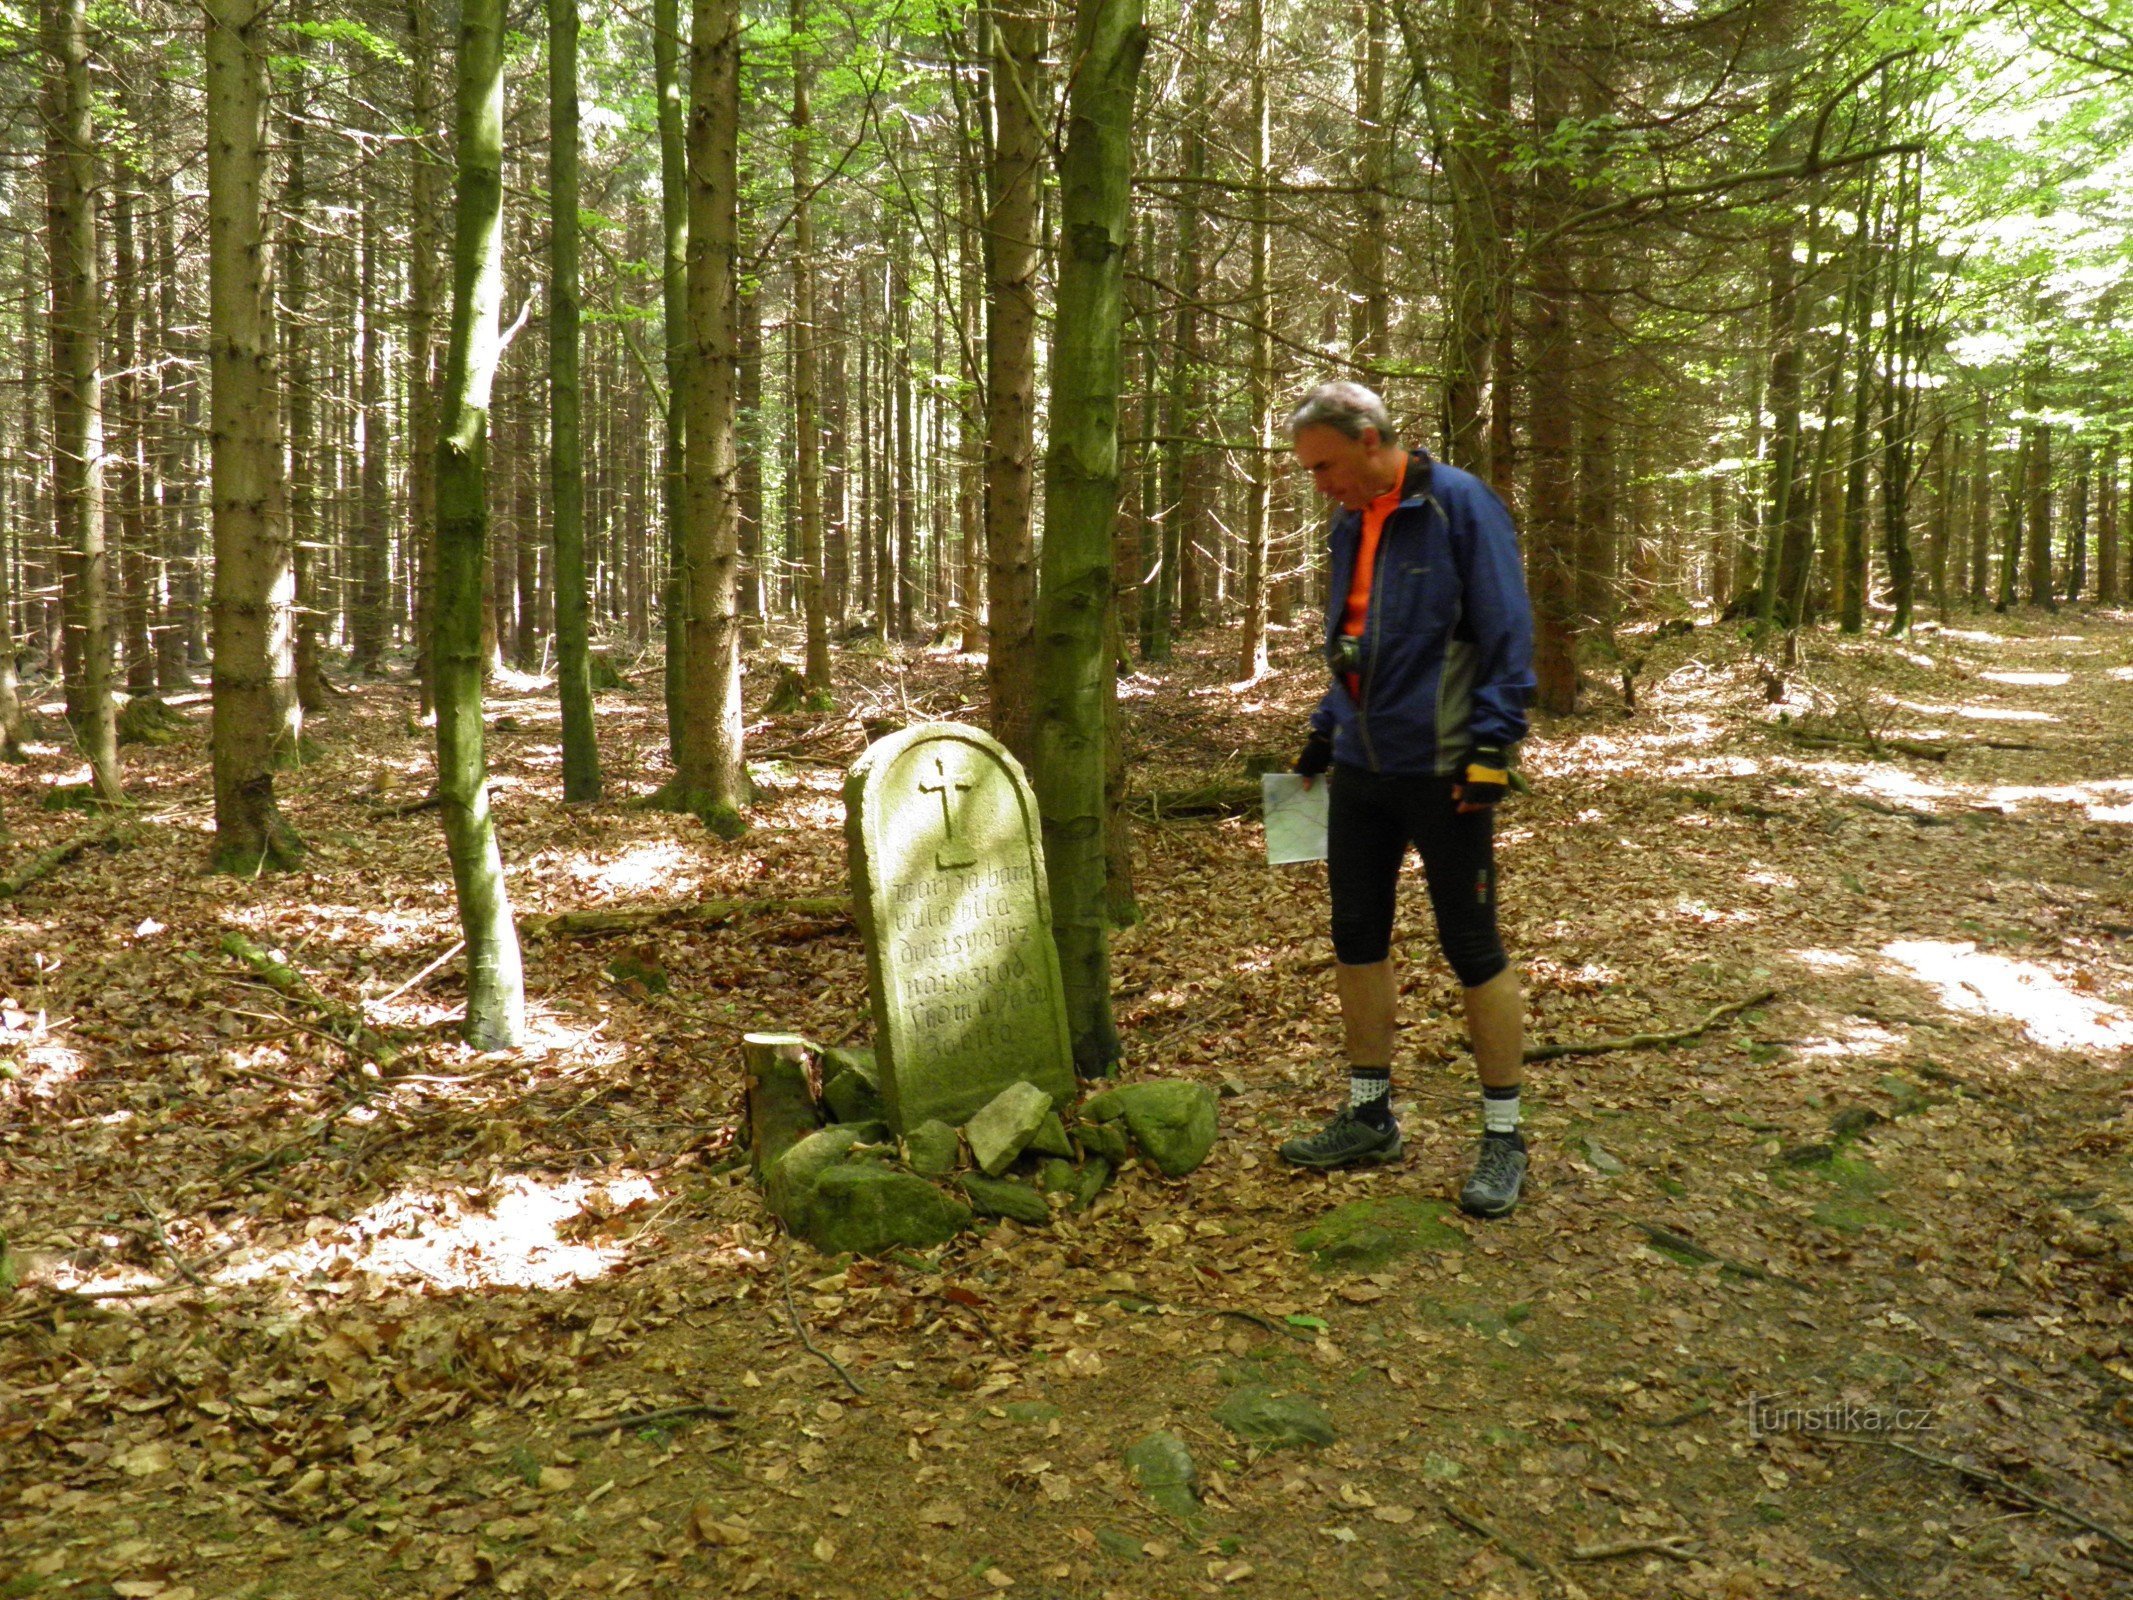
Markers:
point(947, 870)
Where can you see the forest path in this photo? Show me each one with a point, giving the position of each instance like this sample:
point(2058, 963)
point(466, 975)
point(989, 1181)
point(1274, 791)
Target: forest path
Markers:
point(1900, 1186)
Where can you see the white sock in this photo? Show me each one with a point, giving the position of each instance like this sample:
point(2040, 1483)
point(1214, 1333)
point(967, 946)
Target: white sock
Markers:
point(1499, 1110)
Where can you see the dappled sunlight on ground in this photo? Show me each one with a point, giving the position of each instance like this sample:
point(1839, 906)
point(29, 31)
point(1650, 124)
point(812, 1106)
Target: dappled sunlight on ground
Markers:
point(644, 866)
point(2039, 680)
point(1826, 960)
point(1976, 713)
point(1977, 983)
point(453, 1237)
point(1856, 1038)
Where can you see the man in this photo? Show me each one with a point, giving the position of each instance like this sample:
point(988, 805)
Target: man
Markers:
point(1430, 641)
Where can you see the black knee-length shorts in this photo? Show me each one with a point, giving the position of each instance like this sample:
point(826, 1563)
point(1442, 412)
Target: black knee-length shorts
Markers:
point(1372, 818)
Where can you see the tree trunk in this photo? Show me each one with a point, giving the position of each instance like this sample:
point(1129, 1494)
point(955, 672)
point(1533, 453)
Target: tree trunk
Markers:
point(129, 449)
point(371, 622)
point(2037, 495)
point(1552, 551)
point(2077, 517)
point(711, 780)
point(496, 1000)
point(806, 382)
point(256, 711)
point(1011, 371)
point(566, 459)
point(424, 183)
point(1370, 297)
point(1259, 379)
point(2107, 552)
point(298, 341)
point(1075, 664)
point(748, 446)
point(667, 43)
point(77, 390)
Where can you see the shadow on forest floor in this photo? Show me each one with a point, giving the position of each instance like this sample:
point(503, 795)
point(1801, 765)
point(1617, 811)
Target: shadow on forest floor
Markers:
point(334, 1333)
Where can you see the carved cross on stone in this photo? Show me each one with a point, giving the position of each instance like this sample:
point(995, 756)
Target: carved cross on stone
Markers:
point(952, 853)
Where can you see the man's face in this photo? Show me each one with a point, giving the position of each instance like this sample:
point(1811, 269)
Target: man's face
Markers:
point(1341, 467)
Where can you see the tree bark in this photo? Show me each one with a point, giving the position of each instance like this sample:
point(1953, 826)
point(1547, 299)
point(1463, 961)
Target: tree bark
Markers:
point(370, 619)
point(425, 177)
point(496, 1000)
point(256, 711)
point(1259, 377)
point(711, 780)
point(1011, 371)
point(77, 390)
point(1075, 664)
point(566, 457)
point(806, 383)
point(667, 44)
point(1552, 552)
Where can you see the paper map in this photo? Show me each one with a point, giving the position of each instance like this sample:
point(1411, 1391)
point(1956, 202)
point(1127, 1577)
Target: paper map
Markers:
point(1295, 817)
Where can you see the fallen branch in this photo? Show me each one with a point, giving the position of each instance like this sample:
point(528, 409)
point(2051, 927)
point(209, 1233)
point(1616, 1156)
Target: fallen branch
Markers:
point(344, 1027)
point(800, 1328)
point(645, 1419)
point(405, 808)
point(697, 914)
point(1675, 1547)
point(1875, 747)
point(1220, 799)
point(2006, 1486)
point(46, 862)
point(1474, 1523)
point(1646, 1041)
point(1682, 1244)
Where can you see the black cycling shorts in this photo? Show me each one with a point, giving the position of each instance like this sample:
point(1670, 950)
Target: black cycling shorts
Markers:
point(1371, 820)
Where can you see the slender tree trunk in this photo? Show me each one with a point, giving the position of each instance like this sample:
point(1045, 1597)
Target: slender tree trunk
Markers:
point(77, 389)
point(2077, 517)
point(711, 781)
point(496, 999)
point(425, 182)
point(566, 460)
point(2107, 553)
point(1259, 379)
point(1370, 296)
point(2037, 479)
point(1979, 586)
point(1011, 371)
point(371, 625)
point(2016, 485)
point(298, 341)
point(806, 382)
point(667, 46)
point(256, 712)
point(1076, 666)
point(130, 439)
point(748, 443)
point(1552, 552)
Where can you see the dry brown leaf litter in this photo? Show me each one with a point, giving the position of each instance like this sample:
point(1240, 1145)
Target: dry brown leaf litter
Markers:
point(416, 1293)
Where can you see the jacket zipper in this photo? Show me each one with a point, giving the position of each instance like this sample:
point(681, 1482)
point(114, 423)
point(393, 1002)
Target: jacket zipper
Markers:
point(1373, 616)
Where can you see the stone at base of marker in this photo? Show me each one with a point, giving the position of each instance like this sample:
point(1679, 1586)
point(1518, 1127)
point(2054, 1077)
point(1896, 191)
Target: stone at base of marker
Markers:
point(1003, 1128)
point(1172, 1121)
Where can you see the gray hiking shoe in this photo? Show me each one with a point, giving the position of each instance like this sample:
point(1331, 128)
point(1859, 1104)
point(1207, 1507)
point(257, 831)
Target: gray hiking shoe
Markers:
point(1345, 1141)
point(1499, 1174)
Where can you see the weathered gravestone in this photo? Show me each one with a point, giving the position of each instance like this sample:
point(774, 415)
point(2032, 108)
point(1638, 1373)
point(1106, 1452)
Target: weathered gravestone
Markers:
point(948, 876)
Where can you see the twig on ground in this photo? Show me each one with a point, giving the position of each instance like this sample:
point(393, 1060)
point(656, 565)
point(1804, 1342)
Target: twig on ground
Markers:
point(2006, 1486)
point(704, 914)
point(1473, 1522)
point(1646, 1041)
point(1682, 1244)
point(1674, 1546)
point(359, 1038)
point(800, 1328)
point(644, 1419)
point(418, 978)
point(48, 861)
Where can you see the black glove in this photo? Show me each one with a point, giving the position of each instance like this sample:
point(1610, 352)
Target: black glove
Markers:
point(1485, 779)
point(1317, 753)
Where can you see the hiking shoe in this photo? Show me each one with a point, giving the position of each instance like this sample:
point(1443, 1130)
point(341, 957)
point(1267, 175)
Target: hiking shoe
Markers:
point(1345, 1141)
point(1499, 1173)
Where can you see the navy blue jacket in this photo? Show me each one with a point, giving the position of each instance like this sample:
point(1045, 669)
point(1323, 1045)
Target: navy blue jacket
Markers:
point(1446, 653)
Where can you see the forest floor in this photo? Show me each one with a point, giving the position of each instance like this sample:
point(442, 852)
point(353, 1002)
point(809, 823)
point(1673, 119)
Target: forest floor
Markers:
point(274, 1324)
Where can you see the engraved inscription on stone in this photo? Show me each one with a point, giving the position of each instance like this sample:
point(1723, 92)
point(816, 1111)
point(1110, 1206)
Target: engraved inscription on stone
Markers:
point(948, 873)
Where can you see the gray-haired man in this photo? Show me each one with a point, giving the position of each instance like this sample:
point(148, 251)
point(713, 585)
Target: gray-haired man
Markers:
point(1430, 642)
